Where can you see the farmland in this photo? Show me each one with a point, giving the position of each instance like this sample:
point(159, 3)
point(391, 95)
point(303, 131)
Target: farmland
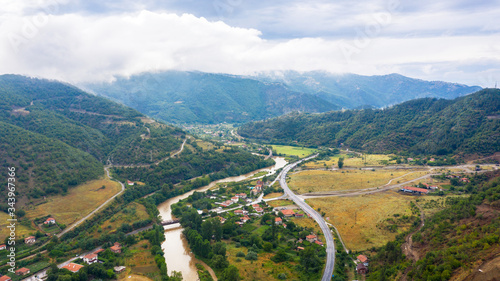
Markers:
point(293, 150)
point(351, 160)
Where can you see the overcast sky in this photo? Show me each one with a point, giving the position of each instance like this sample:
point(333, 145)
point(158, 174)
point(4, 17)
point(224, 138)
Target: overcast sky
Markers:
point(95, 40)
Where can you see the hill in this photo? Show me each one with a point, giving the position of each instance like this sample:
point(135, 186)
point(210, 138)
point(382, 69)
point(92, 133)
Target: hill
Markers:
point(469, 124)
point(196, 97)
point(358, 91)
point(207, 98)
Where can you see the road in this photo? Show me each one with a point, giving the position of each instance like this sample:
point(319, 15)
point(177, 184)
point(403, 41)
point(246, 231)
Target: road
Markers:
point(330, 245)
point(95, 210)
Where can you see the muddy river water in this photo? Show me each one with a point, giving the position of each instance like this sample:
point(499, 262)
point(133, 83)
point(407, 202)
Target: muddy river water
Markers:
point(177, 253)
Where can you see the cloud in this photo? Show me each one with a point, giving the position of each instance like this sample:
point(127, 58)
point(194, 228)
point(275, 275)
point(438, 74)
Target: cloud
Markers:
point(74, 44)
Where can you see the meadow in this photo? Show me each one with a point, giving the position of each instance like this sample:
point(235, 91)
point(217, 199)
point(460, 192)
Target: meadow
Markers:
point(350, 160)
point(321, 180)
point(293, 150)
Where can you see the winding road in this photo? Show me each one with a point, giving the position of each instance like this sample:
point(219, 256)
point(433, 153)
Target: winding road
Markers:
point(330, 245)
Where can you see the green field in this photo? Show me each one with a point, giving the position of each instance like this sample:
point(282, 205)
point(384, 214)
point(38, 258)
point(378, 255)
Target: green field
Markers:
point(293, 150)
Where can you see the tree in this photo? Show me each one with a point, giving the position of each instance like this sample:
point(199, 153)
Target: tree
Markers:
point(310, 261)
point(219, 262)
point(252, 256)
point(341, 162)
point(230, 274)
point(219, 248)
point(206, 229)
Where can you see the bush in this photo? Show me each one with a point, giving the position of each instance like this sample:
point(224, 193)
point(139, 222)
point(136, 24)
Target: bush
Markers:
point(252, 256)
point(240, 254)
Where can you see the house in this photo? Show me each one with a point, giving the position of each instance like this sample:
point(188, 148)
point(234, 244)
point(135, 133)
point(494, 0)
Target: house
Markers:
point(414, 190)
point(318, 242)
point(299, 215)
point(30, 240)
point(90, 258)
point(235, 199)
point(300, 240)
point(284, 225)
point(255, 191)
point(73, 267)
point(255, 206)
point(50, 221)
point(5, 278)
point(361, 268)
point(300, 248)
point(362, 258)
point(116, 248)
point(288, 213)
point(259, 210)
point(3, 247)
point(244, 219)
point(119, 269)
point(227, 203)
point(249, 200)
point(241, 195)
point(464, 180)
point(311, 238)
point(238, 212)
point(278, 221)
point(130, 182)
point(22, 271)
point(222, 220)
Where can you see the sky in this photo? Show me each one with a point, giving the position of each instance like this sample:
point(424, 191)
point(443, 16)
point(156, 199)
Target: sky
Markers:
point(80, 41)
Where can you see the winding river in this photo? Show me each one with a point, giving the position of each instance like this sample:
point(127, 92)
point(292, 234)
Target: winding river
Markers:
point(177, 253)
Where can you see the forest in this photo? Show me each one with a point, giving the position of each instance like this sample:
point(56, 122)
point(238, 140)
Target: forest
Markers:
point(466, 125)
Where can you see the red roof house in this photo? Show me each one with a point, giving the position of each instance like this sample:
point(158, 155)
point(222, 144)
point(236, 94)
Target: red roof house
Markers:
point(22, 271)
point(73, 267)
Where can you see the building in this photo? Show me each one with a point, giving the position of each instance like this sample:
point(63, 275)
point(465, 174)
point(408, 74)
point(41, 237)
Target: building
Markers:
point(3, 247)
point(362, 258)
point(90, 258)
point(241, 212)
point(98, 251)
point(50, 221)
point(278, 221)
point(130, 182)
point(300, 248)
point(241, 195)
point(318, 242)
point(299, 215)
point(288, 213)
point(311, 238)
point(30, 240)
point(119, 269)
point(23, 271)
point(259, 210)
point(222, 220)
point(244, 219)
point(256, 206)
point(227, 203)
point(116, 248)
point(73, 267)
point(361, 268)
point(235, 199)
point(414, 190)
point(5, 278)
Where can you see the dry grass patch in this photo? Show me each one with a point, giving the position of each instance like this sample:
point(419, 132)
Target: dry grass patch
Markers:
point(273, 195)
point(320, 180)
point(280, 203)
point(140, 261)
point(357, 218)
point(79, 201)
point(261, 269)
point(22, 229)
point(132, 213)
point(351, 161)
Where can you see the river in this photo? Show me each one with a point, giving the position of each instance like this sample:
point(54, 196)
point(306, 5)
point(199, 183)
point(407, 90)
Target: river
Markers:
point(177, 253)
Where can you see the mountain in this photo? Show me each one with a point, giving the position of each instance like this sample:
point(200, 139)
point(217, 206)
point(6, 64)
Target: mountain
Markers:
point(195, 97)
point(469, 124)
point(356, 91)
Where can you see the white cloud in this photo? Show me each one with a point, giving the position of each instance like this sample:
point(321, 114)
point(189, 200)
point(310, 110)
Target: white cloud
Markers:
point(79, 47)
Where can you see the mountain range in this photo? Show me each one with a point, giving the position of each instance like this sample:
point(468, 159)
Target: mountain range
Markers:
point(208, 98)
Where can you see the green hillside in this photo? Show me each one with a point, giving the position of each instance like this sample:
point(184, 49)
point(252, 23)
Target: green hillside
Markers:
point(469, 124)
point(196, 97)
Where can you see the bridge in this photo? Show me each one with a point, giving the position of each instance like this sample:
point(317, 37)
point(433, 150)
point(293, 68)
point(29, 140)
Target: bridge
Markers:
point(169, 222)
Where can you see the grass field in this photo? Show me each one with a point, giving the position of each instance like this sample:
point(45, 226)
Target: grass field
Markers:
point(205, 145)
point(132, 213)
point(321, 180)
point(350, 160)
point(280, 203)
point(22, 229)
point(79, 201)
point(273, 195)
point(357, 218)
point(293, 150)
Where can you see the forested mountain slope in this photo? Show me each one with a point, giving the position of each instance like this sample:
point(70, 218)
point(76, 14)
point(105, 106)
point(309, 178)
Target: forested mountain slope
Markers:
point(469, 124)
point(196, 97)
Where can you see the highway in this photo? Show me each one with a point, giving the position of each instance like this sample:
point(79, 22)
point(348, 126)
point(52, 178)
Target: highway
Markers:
point(330, 245)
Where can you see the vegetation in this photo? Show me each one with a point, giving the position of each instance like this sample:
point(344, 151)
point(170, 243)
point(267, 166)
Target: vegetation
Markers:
point(424, 126)
point(452, 241)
